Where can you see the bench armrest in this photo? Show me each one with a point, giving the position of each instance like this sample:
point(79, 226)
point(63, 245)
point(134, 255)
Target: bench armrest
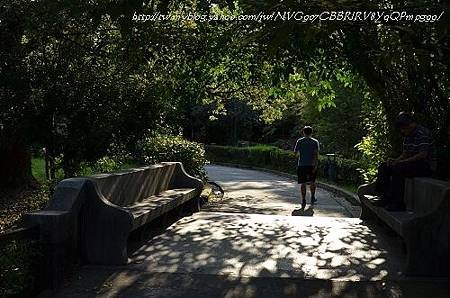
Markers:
point(105, 229)
point(366, 189)
point(184, 180)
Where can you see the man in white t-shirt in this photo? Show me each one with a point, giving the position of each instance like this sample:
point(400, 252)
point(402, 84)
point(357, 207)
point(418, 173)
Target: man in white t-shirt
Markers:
point(307, 150)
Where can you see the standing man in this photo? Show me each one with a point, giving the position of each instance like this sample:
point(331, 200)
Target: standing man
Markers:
point(418, 159)
point(307, 151)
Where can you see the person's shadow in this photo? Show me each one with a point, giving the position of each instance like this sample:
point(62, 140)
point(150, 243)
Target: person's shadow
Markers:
point(304, 212)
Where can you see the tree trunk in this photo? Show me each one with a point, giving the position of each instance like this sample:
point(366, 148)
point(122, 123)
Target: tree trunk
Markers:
point(15, 161)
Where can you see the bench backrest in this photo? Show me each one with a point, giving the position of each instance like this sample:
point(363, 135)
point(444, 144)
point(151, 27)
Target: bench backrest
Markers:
point(423, 195)
point(124, 188)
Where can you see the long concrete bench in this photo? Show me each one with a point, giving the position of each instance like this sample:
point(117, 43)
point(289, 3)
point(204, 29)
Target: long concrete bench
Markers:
point(95, 215)
point(424, 226)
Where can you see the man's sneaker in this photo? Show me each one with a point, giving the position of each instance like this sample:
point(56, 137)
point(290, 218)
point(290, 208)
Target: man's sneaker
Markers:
point(303, 203)
point(313, 200)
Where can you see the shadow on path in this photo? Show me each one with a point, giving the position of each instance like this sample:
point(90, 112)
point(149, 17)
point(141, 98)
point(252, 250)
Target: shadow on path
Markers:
point(239, 255)
point(261, 245)
point(304, 212)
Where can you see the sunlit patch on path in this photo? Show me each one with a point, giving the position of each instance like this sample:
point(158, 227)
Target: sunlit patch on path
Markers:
point(267, 245)
point(250, 191)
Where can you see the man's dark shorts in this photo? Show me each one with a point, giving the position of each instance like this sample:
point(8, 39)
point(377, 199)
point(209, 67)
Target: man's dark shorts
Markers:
point(306, 174)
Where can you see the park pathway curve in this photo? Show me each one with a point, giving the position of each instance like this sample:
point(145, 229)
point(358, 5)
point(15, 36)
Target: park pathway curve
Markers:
point(257, 192)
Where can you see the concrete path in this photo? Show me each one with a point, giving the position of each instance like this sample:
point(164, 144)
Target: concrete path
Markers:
point(249, 191)
point(249, 245)
point(256, 245)
point(249, 255)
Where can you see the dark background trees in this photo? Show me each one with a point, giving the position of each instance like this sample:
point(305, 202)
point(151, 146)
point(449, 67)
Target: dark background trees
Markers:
point(405, 65)
point(79, 79)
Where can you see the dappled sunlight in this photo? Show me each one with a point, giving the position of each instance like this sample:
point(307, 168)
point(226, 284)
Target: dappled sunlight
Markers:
point(270, 186)
point(259, 245)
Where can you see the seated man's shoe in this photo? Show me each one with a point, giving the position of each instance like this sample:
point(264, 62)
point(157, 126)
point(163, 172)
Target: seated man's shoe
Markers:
point(379, 201)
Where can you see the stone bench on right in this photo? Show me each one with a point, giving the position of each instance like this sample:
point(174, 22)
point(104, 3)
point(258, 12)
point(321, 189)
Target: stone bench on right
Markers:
point(424, 226)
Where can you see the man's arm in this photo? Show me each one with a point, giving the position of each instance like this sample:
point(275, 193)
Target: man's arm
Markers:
point(297, 153)
point(424, 149)
point(392, 161)
point(419, 156)
point(315, 160)
point(316, 156)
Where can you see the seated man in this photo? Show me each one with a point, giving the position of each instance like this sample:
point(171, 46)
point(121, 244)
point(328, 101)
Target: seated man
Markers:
point(416, 160)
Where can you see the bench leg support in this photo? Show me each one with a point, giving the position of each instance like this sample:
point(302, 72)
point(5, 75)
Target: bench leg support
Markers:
point(366, 213)
point(428, 246)
point(194, 205)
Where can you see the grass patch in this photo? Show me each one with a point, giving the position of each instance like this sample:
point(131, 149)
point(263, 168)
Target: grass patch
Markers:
point(348, 187)
point(38, 169)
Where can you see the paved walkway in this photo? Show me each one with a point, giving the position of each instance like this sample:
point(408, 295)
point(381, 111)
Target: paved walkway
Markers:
point(257, 245)
point(249, 245)
point(249, 191)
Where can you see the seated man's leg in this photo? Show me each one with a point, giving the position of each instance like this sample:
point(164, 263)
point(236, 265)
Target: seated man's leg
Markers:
point(382, 184)
point(400, 172)
point(397, 189)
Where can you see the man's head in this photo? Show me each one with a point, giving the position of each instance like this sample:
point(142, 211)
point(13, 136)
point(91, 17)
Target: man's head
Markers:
point(307, 131)
point(406, 123)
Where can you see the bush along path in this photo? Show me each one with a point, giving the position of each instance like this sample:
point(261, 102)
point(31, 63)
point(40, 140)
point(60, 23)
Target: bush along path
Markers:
point(273, 158)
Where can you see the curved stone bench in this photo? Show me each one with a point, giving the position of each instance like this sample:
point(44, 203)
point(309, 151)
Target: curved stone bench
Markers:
point(424, 226)
point(96, 214)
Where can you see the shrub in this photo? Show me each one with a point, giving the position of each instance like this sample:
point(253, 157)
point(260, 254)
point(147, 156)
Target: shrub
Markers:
point(103, 165)
point(160, 148)
point(281, 160)
point(117, 158)
point(17, 268)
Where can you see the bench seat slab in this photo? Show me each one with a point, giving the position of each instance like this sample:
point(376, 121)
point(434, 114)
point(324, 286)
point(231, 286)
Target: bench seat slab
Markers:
point(154, 206)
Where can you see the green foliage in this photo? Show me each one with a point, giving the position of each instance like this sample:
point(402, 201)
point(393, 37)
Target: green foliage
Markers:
point(160, 148)
point(17, 265)
point(117, 158)
point(405, 65)
point(93, 78)
point(103, 165)
point(80, 76)
point(273, 158)
point(339, 128)
point(374, 146)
